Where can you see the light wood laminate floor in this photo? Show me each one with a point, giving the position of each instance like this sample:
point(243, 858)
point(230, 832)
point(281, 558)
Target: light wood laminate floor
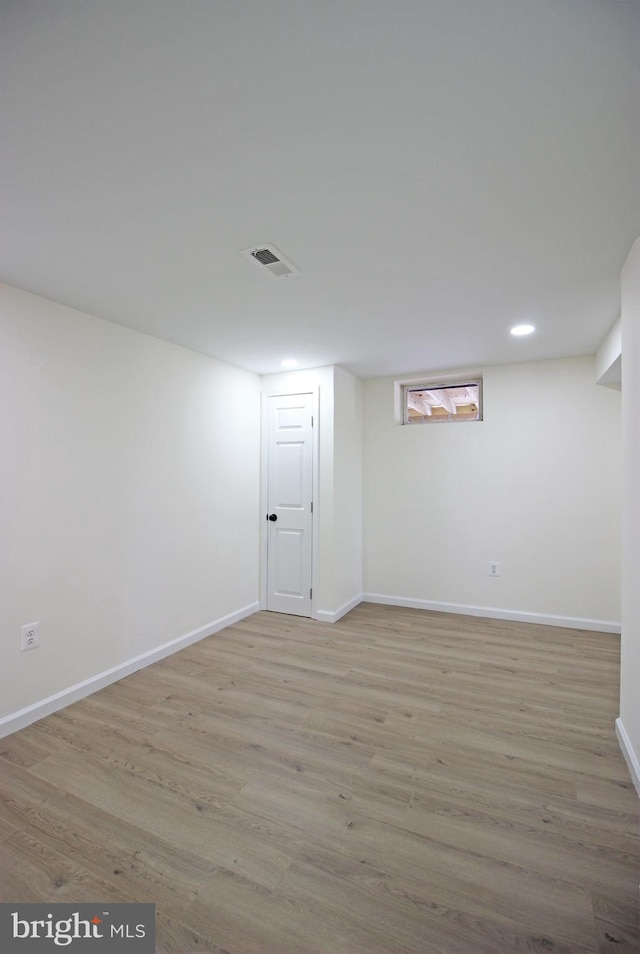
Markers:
point(401, 781)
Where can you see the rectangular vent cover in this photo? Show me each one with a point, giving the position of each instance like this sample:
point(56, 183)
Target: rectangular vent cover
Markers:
point(269, 259)
point(265, 256)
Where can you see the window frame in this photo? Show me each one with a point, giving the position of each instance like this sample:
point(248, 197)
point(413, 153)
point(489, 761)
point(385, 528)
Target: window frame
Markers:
point(436, 383)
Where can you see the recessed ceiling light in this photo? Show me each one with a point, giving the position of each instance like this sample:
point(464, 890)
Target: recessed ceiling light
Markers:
point(289, 363)
point(520, 330)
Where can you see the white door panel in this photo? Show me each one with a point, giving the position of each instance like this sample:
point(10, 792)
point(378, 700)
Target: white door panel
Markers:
point(289, 563)
point(289, 476)
point(290, 487)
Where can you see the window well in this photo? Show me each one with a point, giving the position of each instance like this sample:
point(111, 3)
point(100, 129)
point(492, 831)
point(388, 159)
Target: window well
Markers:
point(433, 403)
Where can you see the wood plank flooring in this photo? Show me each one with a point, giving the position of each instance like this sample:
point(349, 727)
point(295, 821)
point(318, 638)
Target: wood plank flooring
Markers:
point(401, 781)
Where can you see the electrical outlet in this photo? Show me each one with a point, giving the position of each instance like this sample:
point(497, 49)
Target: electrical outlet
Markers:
point(494, 568)
point(30, 636)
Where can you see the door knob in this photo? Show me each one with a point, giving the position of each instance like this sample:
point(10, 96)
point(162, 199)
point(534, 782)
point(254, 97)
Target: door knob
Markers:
point(272, 516)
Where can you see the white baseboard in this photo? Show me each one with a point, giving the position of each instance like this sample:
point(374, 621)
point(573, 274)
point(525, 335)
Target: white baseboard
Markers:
point(490, 612)
point(325, 616)
point(24, 717)
point(630, 756)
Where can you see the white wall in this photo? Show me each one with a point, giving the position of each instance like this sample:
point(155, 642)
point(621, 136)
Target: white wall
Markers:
point(609, 358)
point(347, 492)
point(129, 498)
point(534, 486)
point(629, 722)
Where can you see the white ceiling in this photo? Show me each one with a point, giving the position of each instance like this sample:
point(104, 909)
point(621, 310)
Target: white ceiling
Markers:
point(437, 169)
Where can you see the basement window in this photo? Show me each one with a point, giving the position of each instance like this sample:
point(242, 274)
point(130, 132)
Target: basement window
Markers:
point(438, 402)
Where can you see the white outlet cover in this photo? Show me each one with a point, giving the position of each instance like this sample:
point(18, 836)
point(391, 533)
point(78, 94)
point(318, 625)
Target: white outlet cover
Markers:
point(29, 636)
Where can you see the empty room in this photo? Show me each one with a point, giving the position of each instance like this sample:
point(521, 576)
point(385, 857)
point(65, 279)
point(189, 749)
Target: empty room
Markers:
point(320, 448)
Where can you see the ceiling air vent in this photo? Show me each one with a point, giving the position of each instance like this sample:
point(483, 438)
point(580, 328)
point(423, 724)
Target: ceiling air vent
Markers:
point(269, 259)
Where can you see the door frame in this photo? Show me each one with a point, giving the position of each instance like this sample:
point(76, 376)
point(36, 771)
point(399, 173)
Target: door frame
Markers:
point(314, 391)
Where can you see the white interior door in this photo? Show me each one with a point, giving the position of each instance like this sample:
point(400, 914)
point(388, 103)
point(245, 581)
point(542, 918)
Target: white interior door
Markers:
point(289, 504)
